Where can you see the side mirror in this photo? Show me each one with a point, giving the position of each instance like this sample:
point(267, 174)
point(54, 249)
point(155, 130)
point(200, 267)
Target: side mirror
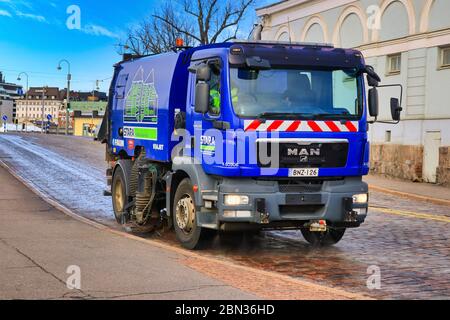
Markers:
point(202, 97)
point(373, 102)
point(203, 73)
point(396, 110)
point(372, 81)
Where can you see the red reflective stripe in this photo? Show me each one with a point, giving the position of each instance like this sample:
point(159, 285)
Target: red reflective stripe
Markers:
point(314, 126)
point(350, 126)
point(253, 126)
point(333, 127)
point(294, 126)
point(275, 125)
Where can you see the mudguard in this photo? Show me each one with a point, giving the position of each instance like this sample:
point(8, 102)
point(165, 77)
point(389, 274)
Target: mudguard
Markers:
point(125, 165)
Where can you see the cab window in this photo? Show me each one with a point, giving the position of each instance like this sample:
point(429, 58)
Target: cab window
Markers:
point(215, 91)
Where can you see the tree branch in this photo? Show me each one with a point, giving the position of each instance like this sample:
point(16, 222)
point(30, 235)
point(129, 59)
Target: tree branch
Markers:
point(173, 25)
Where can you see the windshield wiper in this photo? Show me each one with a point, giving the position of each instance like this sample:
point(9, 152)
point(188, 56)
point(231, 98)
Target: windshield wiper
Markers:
point(307, 116)
point(333, 115)
point(286, 115)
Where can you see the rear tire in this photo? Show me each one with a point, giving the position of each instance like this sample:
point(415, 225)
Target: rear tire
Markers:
point(119, 196)
point(185, 217)
point(323, 239)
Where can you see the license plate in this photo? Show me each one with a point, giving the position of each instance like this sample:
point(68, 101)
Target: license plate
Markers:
point(307, 172)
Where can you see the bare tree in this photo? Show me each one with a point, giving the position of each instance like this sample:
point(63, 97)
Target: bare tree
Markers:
point(195, 21)
point(153, 36)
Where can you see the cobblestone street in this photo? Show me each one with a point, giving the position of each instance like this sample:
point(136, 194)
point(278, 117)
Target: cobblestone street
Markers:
point(409, 240)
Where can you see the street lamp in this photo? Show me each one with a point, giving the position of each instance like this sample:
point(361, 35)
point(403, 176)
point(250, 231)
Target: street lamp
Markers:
point(26, 99)
point(96, 87)
point(44, 92)
point(69, 77)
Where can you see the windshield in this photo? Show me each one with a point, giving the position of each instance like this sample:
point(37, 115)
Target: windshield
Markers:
point(295, 93)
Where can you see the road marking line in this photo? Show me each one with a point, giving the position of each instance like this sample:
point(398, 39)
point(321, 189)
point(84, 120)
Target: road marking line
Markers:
point(412, 214)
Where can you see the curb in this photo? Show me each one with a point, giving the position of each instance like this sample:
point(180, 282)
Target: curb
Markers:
point(340, 293)
point(410, 195)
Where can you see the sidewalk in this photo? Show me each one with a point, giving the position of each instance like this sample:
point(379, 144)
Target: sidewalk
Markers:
point(419, 191)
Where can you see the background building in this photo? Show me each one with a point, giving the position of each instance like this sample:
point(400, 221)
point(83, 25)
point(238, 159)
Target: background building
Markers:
point(88, 103)
point(87, 124)
point(30, 110)
point(408, 42)
point(87, 96)
point(8, 93)
point(83, 105)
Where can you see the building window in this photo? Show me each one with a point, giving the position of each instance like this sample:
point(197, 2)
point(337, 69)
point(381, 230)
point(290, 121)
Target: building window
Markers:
point(445, 58)
point(394, 64)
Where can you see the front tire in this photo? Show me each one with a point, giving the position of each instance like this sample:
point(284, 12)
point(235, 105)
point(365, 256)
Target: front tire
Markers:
point(185, 216)
point(323, 239)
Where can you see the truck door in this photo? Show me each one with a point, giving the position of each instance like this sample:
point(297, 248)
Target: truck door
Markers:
point(209, 141)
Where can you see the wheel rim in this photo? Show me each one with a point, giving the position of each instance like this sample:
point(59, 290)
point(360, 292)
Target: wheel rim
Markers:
point(185, 214)
point(119, 197)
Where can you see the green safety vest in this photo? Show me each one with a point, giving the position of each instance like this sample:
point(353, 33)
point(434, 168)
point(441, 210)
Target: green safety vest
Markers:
point(215, 97)
point(234, 95)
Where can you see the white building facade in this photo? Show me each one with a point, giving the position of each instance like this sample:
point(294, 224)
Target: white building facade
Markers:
point(32, 108)
point(407, 42)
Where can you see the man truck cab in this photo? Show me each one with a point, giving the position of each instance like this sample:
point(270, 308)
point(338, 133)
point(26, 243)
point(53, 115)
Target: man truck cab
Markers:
point(242, 136)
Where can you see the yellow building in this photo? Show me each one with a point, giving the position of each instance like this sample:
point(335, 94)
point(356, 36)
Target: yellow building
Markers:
point(86, 124)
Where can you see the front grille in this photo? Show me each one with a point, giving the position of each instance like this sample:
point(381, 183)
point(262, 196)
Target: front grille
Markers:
point(301, 155)
point(300, 188)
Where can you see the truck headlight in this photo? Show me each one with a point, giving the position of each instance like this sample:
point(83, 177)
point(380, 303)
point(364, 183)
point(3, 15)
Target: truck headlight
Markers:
point(361, 198)
point(235, 200)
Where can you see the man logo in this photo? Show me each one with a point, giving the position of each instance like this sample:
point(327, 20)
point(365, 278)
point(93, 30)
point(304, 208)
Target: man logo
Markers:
point(304, 159)
point(303, 152)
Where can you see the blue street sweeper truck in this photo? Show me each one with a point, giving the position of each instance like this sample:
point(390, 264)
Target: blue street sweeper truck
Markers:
point(240, 137)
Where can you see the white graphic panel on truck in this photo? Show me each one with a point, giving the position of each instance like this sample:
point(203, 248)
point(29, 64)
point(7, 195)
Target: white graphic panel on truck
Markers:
point(141, 102)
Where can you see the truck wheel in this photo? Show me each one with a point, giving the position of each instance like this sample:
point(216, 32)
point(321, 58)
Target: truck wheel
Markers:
point(119, 197)
point(185, 216)
point(328, 238)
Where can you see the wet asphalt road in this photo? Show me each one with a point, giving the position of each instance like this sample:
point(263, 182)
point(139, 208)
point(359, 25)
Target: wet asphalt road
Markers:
point(411, 250)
